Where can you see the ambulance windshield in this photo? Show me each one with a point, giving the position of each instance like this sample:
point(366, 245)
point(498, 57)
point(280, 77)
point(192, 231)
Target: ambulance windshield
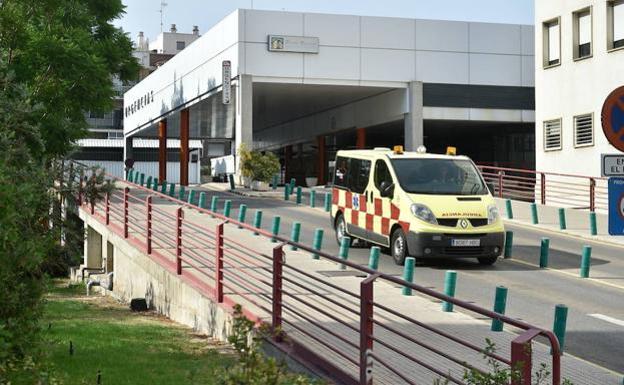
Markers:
point(439, 176)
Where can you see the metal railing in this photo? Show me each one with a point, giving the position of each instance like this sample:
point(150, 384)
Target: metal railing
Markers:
point(349, 332)
point(548, 188)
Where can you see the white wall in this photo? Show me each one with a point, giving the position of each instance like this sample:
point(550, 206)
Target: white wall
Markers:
point(149, 168)
point(574, 88)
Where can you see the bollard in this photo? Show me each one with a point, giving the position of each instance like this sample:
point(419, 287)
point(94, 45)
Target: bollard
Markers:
point(408, 274)
point(593, 228)
point(534, 217)
point(327, 202)
point(142, 179)
point(242, 211)
point(450, 282)
point(129, 175)
point(163, 188)
point(500, 303)
point(373, 258)
point(227, 208)
point(191, 197)
point(148, 183)
point(317, 242)
point(231, 179)
point(182, 193)
point(562, 219)
point(508, 243)
point(292, 184)
point(286, 192)
point(559, 324)
point(298, 195)
point(137, 175)
point(509, 209)
point(274, 182)
point(257, 221)
point(275, 228)
point(172, 190)
point(344, 250)
point(213, 204)
point(586, 261)
point(202, 200)
point(155, 184)
point(312, 198)
point(544, 249)
point(294, 234)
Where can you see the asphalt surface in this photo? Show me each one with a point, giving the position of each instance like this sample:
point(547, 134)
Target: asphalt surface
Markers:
point(595, 327)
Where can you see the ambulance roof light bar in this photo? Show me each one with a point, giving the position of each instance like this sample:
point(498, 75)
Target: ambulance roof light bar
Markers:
point(450, 150)
point(398, 150)
point(421, 149)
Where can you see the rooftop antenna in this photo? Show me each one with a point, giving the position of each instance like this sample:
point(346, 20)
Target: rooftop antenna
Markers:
point(162, 11)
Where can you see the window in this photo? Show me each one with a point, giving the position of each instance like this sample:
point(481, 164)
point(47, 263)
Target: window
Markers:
point(582, 33)
point(615, 24)
point(382, 174)
point(552, 135)
point(584, 130)
point(180, 45)
point(340, 178)
point(352, 174)
point(96, 115)
point(552, 46)
point(439, 176)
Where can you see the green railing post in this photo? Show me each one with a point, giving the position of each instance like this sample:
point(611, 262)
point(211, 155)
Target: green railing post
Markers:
point(163, 187)
point(408, 274)
point(137, 177)
point(508, 243)
point(586, 261)
point(298, 195)
point(182, 193)
point(317, 242)
point(373, 258)
point(593, 227)
point(148, 182)
point(129, 175)
point(191, 197)
point(450, 283)
point(227, 208)
point(343, 253)
point(242, 211)
point(544, 250)
point(500, 304)
point(327, 202)
point(275, 228)
point(155, 184)
point(274, 182)
point(142, 179)
point(562, 219)
point(509, 209)
point(559, 324)
point(534, 217)
point(312, 198)
point(294, 234)
point(202, 200)
point(172, 190)
point(213, 203)
point(232, 184)
point(286, 192)
point(292, 184)
point(257, 221)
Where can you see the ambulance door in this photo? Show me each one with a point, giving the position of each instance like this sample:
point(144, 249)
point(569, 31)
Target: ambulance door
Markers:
point(355, 212)
point(382, 179)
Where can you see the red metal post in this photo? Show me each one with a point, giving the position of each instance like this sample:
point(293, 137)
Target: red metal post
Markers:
point(543, 187)
point(592, 194)
point(148, 203)
point(521, 355)
point(278, 260)
point(125, 210)
point(366, 330)
point(107, 200)
point(500, 184)
point(219, 264)
point(179, 215)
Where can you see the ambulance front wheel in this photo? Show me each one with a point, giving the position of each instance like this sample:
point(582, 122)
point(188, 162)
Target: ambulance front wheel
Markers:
point(341, 229)
point(398, 247)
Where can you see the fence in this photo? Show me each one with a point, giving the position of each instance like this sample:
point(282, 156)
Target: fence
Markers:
point(547, 188)
point(348, 331)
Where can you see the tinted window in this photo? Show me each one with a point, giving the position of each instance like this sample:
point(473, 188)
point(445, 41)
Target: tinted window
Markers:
point(382, 174)
point(340, 177)
point(352, 174)
point(439, 176)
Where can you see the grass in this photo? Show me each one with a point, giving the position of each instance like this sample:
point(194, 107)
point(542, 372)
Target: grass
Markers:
point(126, 347)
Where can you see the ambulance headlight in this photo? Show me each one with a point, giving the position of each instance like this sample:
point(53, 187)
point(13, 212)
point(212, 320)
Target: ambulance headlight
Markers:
point(493, 215)
point(423, 213)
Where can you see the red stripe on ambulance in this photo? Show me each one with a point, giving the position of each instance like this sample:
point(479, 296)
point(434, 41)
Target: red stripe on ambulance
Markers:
point(369, 222)
point(335, 194)
point(378, 211)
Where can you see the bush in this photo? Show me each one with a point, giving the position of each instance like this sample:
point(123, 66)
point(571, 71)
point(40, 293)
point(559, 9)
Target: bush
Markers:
point(256, 165)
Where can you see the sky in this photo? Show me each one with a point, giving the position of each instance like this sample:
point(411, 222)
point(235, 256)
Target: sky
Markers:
point(144, 15)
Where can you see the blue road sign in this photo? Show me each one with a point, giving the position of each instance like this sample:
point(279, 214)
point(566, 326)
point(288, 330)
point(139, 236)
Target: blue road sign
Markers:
point(616, 206)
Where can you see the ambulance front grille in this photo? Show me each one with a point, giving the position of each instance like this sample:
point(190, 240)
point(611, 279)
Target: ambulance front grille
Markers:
point(452, 222)
point(463, 251)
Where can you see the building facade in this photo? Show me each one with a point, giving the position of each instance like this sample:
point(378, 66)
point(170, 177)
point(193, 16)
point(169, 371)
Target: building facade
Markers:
point(579, 61)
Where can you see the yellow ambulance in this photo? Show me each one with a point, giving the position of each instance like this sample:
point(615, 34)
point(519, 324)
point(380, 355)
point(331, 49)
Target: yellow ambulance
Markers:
point(416, 204)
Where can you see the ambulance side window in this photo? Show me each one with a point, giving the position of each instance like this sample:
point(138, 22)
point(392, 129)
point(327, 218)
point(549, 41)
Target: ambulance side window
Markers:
point(359, 173)
point(382, 174)
point(342, 167)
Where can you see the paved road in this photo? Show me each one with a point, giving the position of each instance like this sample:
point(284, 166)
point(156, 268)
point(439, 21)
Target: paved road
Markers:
point(533, 293)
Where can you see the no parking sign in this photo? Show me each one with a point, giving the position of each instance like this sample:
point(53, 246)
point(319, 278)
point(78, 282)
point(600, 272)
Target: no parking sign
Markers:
point(616, 206)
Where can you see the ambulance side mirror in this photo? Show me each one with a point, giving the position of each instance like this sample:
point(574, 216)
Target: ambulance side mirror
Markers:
point(490, 187)
point(386, 189)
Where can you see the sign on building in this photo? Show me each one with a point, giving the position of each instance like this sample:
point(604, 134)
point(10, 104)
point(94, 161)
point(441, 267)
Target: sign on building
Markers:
point(227, 82)
point(612, 165)
point(616, 206)
point(613, 118)
point(281, 43)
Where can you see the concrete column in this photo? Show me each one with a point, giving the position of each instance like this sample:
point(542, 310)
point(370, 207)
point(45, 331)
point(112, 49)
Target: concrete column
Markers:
point(92, 249)
point(414, 117)
point(162, 150)
point(360, 138)
point(128, 150)
point(184, 146)
point(320, 160)
point(243, 131)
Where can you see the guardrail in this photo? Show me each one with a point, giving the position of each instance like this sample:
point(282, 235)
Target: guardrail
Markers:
point(352, 334)
point(548, 188)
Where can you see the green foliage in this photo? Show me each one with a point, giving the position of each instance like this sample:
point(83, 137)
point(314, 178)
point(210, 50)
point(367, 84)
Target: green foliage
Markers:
point(253, 367)
point(244, 155)
point(256, 165)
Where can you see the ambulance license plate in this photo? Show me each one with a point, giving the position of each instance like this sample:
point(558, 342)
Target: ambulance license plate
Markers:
point(466, 242)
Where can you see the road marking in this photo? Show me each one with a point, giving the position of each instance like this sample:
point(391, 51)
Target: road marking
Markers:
point(607, 318)
point(514, 222)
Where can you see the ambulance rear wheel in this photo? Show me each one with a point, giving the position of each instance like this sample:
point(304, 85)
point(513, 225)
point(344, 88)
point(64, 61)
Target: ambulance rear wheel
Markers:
point(341, 229)
point(398, 247)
